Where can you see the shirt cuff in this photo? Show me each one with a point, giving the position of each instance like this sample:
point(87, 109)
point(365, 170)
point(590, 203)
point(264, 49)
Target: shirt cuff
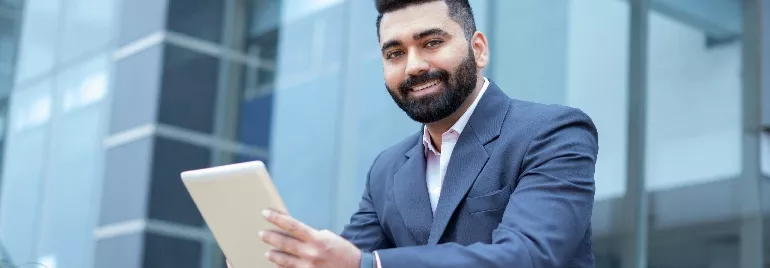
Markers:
point(377, 259)
point(367, 260)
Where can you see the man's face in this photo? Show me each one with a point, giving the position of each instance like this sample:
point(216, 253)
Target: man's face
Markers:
point(429, 66)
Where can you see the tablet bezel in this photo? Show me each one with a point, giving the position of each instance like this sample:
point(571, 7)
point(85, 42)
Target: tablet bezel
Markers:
point(230, 199)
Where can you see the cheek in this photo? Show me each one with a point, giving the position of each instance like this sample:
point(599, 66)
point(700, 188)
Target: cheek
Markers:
point(449, 57)
point(393, 76)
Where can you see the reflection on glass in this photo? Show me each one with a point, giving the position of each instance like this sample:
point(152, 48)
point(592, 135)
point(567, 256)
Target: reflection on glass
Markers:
point(12, 3)
point(197, 18)
point(296, 9)
point(250, 85)
point(23, 171)
point(691, 141)
point(9, 38)
point(34, 109)
point(39, 31)
point(48, 261)
point(73, 166)
point(189, 89)
point(87, 25)
point(91, 90)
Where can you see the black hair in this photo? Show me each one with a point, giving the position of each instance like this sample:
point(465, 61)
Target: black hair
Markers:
point(459, 10)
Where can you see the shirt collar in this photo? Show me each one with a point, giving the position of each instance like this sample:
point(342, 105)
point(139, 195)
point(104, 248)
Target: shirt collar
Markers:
point(459, 126)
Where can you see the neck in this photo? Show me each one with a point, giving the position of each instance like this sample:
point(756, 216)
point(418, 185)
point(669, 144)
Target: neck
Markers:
point(437, 128)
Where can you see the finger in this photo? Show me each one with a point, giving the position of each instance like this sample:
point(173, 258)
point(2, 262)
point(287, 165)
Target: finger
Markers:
point(288, 244)
point(294, 227)
point(228, 263)
point(284, 259)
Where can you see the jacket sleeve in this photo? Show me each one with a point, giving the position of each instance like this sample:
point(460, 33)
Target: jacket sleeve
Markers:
point(364, 229)
point(548, 213)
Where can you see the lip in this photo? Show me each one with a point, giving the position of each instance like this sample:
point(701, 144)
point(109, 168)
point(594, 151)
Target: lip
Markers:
point(427, 90)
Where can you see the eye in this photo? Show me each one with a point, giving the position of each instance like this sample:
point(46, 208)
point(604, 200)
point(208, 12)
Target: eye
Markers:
point(393, 54)
point(433, 43)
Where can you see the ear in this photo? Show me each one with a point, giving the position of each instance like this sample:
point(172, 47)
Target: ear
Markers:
point(480, 49)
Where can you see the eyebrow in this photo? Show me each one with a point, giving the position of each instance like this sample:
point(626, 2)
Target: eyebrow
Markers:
point(417, 36)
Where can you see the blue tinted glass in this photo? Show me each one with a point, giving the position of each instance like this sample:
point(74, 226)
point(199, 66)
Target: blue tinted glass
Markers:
point(68, 216)
point(126, 182)
point(255, 120)
point(257, 83)
point(123, 251)
point(197, 18)
point(38, 39)
point(136, 90)
point(87, 25)
point(188, 94)
point(140, 18)
point(164, 251)
point(23, 170)
point(304, 135)
point(10, 28)
point(169, 199)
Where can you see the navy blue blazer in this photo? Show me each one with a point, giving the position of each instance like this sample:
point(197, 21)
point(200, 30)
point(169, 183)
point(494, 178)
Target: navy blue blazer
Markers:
point(518, 192)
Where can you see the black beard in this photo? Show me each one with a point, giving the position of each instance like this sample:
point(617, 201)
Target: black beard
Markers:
point(431, 108)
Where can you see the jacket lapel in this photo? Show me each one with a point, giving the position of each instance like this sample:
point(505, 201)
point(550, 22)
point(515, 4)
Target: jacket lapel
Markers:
point(468, 157)
point(411, 194)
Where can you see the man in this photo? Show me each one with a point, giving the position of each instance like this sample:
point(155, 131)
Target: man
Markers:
point(488, 182)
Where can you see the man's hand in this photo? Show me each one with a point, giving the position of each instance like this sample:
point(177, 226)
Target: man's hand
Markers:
point(298, 245)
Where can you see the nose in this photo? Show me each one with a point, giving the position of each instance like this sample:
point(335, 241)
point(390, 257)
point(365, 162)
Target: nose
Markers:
point(416, 65)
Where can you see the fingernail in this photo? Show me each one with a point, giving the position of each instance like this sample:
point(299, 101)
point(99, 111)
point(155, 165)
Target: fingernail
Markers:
point(267, 254)
point(265, 213)
point(261, 234)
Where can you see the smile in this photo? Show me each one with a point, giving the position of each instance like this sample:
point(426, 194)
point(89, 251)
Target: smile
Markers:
point(426, 85)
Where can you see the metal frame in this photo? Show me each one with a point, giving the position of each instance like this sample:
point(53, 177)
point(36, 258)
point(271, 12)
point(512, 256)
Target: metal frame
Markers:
point(636, 205)
point(750, 190)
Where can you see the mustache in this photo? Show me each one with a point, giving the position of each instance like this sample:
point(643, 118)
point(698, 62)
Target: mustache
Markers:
point(411, 81)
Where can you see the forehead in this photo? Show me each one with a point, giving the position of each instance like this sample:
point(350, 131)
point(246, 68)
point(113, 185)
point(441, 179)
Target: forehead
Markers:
point(402, 24)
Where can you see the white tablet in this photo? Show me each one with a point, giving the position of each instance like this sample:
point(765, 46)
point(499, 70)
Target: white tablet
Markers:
point(231, 199)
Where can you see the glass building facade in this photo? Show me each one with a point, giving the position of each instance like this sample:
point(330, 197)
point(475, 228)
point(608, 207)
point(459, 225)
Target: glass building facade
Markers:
point(103, 103)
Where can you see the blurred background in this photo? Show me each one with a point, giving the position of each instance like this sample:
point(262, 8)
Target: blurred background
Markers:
point(104, 102)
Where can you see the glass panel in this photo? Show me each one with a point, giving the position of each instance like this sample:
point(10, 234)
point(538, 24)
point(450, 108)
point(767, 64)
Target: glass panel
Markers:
point(301, 9)
point(261, 18)
point(169, 199)
point(530, 49)
point(693, 138)
point(23, 170)
point(189, 89)
point(690, 141)
point(38, 38)
point(245, 103)
point(123, 251)
point(308, 76)
point(126, 180)
point(139, 18)
point(87, 25)
point(165, 251)
point(12, 3)
point(197, 18)
point(73, 167)
point(10, 27)
point(136, 93)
